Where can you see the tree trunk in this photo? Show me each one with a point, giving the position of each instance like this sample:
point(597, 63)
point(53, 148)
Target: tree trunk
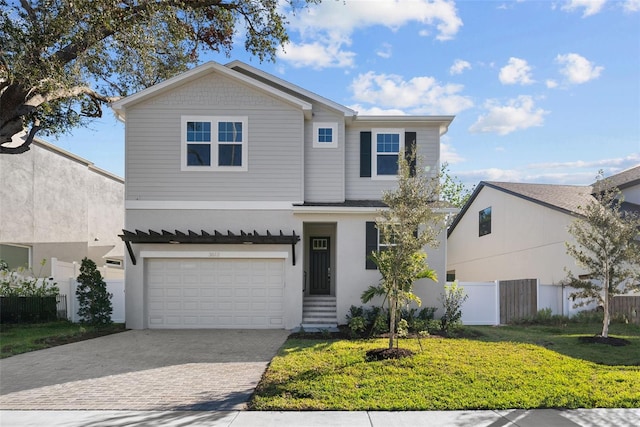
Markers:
point(392, 319)
point(605, 320)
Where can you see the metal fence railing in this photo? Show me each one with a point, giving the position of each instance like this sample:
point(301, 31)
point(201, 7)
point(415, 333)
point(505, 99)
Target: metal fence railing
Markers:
point(15, 309)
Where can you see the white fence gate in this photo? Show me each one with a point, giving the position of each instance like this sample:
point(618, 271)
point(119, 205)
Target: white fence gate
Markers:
point(65, 273)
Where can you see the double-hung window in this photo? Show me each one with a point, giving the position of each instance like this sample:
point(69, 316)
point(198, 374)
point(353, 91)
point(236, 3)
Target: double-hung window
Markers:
point(214, 143)
point(388, 144)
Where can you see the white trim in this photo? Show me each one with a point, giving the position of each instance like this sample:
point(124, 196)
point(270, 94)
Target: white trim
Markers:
point(121, 105)
point(209, 205)
point(301, 210)
point(334, 135)
point(348, 112)
point(216, 254)
point(374, 151)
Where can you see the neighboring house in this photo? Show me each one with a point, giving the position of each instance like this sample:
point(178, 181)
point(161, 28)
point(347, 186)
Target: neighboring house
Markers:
point(56, 204)
point(250, 201)
point(516, 231)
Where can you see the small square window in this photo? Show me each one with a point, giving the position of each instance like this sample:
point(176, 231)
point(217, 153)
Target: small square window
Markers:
point(325, 135)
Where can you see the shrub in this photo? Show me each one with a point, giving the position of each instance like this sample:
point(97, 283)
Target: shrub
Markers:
point(452, 299)
point(22, 282)
point(95, 301)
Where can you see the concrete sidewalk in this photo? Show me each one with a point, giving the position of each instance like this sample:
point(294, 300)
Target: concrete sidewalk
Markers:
point(512, 417)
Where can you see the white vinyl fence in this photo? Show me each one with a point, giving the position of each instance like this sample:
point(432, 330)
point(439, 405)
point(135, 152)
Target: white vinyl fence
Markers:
point(483, 304)
point(65, 273)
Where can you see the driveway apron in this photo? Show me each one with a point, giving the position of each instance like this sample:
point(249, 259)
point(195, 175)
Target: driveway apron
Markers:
point(142, 370)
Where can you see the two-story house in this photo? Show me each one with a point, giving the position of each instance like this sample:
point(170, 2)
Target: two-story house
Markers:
point(55, 204)
point(510, 230)
point(250, 202)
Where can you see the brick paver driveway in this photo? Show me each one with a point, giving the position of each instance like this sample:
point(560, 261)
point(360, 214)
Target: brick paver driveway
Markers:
point(142, 370)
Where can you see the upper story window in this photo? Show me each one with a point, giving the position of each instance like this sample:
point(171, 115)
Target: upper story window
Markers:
point(325, 135)
point(388, 144)
point(484, 221)
point(214, 143)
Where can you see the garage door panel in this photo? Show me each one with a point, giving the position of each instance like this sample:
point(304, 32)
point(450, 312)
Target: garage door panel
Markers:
point(215, 293)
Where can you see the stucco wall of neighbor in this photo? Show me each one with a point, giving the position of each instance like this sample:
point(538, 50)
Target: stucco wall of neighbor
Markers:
point(527, 240)
point(632, 194)
point(51, 197)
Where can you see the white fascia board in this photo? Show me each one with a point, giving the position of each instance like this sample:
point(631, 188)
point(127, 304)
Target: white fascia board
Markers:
point(443, 121)
point(348, 112)
point(208, 205)
point(119, 107)
point(301, 210)
point(216, 254)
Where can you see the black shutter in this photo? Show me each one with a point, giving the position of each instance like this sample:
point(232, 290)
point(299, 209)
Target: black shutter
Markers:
point(365, 154)
point(410, 146)
point(371, 245)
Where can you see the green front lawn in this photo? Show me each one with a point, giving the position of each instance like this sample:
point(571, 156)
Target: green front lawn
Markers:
point(491, 371)
point(21, 338)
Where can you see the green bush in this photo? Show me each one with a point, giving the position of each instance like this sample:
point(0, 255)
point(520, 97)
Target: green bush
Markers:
point(23, 282)
point(452, 299)
point(95, 301)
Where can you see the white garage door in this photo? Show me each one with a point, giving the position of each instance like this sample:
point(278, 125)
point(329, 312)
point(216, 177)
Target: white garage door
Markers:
point(215, 293)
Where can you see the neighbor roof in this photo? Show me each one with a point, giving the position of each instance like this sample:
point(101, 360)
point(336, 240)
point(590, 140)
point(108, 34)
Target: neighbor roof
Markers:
point(564, 198)
point(624, 179)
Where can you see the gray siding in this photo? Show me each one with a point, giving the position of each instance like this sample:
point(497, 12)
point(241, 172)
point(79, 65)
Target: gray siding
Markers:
point(275, 145)
point(357, 188)
point(324, 167)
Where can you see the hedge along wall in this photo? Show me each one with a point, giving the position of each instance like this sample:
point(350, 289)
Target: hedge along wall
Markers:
point(28, 309)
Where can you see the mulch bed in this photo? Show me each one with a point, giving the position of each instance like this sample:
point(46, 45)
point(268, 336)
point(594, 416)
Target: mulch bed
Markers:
point(101, 332)
point(387, 353)
point(599, 339)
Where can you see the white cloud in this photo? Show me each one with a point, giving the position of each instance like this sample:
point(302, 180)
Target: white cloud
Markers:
point(580, 172)
point(577, 69)
point(631, 6)
point(337, 20)
point(384, 51)
point(449, 155)
point(318, 56)
point(615, 164)
point(516, 114)
point(591, 7)
point(517, 71)
point(419, 95)
point(459, 66)
point(551, 84)
point(376, 111)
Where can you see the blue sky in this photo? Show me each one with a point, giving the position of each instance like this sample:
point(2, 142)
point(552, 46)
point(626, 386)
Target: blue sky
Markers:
point(542, 91)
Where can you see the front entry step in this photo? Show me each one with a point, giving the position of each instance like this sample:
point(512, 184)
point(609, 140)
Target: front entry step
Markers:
point(319, 312)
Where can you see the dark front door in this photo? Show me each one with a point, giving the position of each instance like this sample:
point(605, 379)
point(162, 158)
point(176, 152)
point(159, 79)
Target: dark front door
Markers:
point(320, 266)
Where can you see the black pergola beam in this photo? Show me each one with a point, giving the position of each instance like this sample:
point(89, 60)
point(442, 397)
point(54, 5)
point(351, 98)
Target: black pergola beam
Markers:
point(217, 238)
